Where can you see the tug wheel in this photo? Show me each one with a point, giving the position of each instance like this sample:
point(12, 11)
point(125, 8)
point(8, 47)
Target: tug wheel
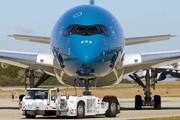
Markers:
point(112, 110)
point(80, 110)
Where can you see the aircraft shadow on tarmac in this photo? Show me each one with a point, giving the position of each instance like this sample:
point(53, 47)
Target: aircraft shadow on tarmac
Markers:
point(151, 108)
point(9, 108)
point(101, 116)
point(52, 117)
point(65, 117)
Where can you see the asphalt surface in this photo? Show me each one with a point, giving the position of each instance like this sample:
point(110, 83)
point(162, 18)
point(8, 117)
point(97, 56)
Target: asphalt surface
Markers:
point(170, 107)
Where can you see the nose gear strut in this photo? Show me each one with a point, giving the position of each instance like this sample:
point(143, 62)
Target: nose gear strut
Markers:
point(86, 83)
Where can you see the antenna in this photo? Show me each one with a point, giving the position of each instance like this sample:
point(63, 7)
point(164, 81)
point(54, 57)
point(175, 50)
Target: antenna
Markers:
point(91, 2)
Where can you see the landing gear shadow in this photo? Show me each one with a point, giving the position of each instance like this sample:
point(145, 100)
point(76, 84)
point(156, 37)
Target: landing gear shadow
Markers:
point(150, 108)
point(65, 117)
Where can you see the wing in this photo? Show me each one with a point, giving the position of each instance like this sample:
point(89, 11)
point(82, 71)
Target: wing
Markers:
point(167, 70)
point(45, 40)
point(35, 61)
point(133, 63)
point(128, 41)
point(148, 39)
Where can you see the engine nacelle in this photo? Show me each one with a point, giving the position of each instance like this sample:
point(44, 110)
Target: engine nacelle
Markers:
point(4, 65)
point(175, 65)
point(161, 76)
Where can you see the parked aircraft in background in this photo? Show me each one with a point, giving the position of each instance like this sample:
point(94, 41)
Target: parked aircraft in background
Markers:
point(167, 71)
point(87, 44)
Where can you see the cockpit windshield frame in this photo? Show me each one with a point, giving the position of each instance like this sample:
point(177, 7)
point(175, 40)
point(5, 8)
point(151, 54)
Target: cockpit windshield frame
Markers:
point(86, 30)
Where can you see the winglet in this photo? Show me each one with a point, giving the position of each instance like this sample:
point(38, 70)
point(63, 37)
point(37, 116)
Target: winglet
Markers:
point(91, 2)
point(11, 35)
point(173, 35)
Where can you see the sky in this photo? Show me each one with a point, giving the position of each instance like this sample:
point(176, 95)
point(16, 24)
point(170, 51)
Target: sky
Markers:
point(138, 18)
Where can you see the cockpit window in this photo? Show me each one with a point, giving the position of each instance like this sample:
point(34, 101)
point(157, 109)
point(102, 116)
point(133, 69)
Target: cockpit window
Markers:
point(92, 30)
point(104, 30)
point(86, 30)
point(69, 30)
point(80, 30)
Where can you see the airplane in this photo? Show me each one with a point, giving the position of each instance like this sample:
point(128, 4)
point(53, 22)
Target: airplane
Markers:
point(166, 71)
point(87, 44)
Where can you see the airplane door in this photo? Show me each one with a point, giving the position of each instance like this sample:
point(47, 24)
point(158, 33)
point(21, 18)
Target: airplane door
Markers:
point(53, 96)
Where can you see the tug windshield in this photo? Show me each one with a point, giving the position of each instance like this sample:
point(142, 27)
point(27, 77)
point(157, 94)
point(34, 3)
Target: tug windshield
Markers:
point(36, 94)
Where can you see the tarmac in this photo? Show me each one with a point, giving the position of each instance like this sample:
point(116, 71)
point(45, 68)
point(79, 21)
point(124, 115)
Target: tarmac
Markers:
point(170, 107)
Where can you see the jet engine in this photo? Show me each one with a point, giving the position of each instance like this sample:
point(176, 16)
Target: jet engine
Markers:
point(4, 65)
point(175, 65)
point(161, 76)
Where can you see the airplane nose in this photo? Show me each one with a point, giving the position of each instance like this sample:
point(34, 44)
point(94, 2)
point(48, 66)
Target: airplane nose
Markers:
point(89, 54)
point(87, 50)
